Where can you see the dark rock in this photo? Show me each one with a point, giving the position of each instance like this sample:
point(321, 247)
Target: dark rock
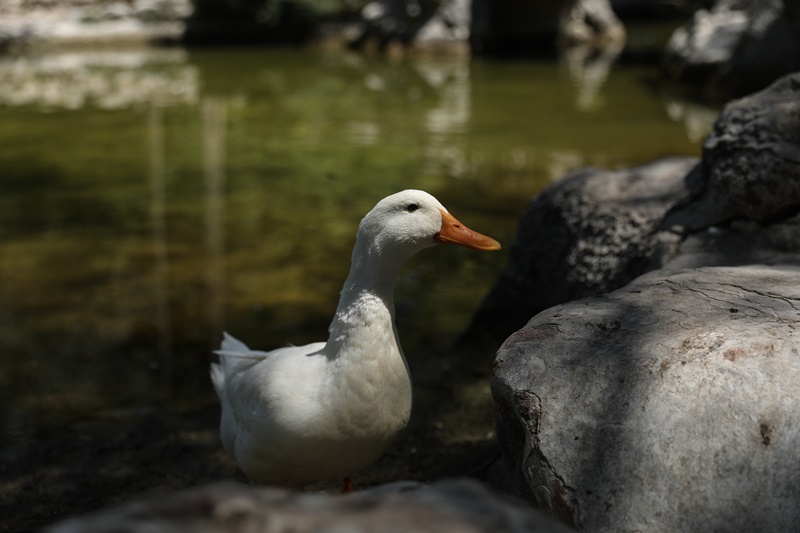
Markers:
point(592, 232)
point(737, 47)
point(520, 27)
point(741, 242)
point(453, 506)
point(751, 161)
point(672, 404)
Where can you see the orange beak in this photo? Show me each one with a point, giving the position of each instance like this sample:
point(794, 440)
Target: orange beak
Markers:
point(455, 232)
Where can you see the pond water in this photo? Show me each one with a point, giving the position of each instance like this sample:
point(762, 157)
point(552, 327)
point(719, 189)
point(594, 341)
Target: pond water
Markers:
point(150, 199)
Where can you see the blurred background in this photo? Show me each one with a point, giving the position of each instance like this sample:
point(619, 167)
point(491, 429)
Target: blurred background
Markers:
point(170, 169)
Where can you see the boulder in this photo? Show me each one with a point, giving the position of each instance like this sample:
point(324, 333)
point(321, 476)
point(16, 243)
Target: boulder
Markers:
point(589, 233)
point(672, 404)
point(457, 506)
point(735, 48)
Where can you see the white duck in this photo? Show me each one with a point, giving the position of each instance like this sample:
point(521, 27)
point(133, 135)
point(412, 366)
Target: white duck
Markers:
point(301, 414)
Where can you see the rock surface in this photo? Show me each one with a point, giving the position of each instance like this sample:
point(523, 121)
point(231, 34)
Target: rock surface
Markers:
point(457, 506)
point(737, 47)
point(672, 404)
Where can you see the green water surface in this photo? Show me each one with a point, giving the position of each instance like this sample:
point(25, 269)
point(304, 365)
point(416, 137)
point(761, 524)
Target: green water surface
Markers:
point(151, 199)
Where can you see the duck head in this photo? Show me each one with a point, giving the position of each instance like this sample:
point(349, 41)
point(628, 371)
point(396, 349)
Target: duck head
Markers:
point(409, 221)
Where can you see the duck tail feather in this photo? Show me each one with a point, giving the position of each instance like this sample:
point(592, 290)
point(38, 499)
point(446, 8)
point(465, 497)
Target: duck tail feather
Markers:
point(232, 349)
point(232, 344)
point(218, 378)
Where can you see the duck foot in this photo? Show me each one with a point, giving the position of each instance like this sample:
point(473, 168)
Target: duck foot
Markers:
point(348, 485)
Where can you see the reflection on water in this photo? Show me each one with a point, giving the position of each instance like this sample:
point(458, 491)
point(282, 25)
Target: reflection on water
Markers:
point(158, 208)
point(214, 127)
point(151, 199)
point(698, 118)
point(108, 80)
point(589, 67)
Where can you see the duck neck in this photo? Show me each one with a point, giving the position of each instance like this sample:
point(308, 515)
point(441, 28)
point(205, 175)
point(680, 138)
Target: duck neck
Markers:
point(366, 300)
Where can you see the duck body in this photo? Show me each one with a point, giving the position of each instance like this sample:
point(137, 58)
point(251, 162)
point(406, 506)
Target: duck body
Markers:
point(289, 423)
point(301, 414)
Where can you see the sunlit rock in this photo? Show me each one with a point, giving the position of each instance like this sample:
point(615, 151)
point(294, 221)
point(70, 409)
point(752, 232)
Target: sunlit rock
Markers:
point(89, 22)
point(672, 404)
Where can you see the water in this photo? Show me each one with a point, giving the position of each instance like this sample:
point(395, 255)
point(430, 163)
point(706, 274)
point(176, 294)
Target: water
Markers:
point(150, 199)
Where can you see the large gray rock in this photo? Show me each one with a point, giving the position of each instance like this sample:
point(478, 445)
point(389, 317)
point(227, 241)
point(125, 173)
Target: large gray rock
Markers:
point(672, 404)
point(737, 47)
point(458, 506)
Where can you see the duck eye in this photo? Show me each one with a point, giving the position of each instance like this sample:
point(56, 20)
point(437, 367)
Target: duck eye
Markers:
point(412, 207)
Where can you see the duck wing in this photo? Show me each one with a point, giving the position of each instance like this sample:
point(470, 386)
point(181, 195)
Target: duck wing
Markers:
point(259, 391)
